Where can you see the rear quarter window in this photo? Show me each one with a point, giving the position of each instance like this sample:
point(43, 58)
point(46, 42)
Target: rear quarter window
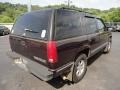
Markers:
point(33, 25)
point(68, 24)
point(91, 26)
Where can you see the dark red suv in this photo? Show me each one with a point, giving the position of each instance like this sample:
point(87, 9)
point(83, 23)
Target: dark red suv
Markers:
point(58, 42)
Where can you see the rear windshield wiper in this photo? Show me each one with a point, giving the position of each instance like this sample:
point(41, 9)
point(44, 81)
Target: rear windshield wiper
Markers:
point(28, 30)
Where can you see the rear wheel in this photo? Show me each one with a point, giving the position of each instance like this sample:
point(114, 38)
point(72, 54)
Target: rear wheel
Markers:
point(80, 68)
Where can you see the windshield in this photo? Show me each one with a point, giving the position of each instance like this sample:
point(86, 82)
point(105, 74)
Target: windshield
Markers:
point(34, 24)
point(2, 27)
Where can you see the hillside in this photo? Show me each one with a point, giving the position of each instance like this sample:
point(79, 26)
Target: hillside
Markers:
point(9, 12)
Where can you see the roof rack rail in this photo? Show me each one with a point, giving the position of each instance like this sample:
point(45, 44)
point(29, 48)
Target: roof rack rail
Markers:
point(75, 10)
point(87, 14)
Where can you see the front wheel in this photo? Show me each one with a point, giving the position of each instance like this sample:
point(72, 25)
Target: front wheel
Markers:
point(80, 68)
point(3, 33)
point(108, 47)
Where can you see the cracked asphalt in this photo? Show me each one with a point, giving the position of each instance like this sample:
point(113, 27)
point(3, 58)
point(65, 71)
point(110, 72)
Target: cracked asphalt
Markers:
point(103, 72)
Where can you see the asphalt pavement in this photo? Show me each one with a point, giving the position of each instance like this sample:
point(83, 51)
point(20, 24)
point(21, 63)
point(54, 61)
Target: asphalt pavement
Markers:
point(103, 72)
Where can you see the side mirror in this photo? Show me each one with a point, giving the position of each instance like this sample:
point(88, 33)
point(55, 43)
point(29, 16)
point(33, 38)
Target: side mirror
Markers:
point(109, 28)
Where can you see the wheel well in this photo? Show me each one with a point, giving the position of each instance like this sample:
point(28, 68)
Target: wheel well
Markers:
point(85, 51)
point(110, 38)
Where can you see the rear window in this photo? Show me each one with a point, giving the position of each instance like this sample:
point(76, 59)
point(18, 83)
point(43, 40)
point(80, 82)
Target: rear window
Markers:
point(34, 25)
point(2, 27)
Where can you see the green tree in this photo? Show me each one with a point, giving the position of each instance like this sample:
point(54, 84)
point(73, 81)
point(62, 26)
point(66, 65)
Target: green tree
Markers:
point(8, 12)
point(5, 19)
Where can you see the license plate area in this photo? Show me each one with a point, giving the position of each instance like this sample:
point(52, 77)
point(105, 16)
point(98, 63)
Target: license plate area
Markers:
point(18, 61)
point(21, 63)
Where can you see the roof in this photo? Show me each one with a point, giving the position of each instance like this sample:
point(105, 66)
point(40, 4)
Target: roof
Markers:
point(87, 14)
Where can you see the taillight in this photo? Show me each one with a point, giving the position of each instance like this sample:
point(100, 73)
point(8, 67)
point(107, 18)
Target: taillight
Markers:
point(51, 52)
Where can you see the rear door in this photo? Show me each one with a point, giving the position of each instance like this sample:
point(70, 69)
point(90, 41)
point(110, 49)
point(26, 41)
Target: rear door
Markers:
point(93, 34)
point(30, 34)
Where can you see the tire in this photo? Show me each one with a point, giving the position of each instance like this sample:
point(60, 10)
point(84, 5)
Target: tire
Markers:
point(108, 47)
point(80, 68)
point(3, 33)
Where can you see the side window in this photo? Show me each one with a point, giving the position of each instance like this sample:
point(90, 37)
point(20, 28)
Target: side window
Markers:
point(91, 26)
point(100, 25)
point(68, 24)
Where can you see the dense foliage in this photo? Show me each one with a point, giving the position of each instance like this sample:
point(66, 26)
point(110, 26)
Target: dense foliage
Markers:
point(8, 12)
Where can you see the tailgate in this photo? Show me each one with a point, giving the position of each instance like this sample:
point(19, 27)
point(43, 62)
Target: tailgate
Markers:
point(30, 33)
point(30, 48)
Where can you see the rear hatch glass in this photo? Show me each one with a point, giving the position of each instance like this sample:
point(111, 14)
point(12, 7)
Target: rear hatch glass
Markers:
point(35, 24)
